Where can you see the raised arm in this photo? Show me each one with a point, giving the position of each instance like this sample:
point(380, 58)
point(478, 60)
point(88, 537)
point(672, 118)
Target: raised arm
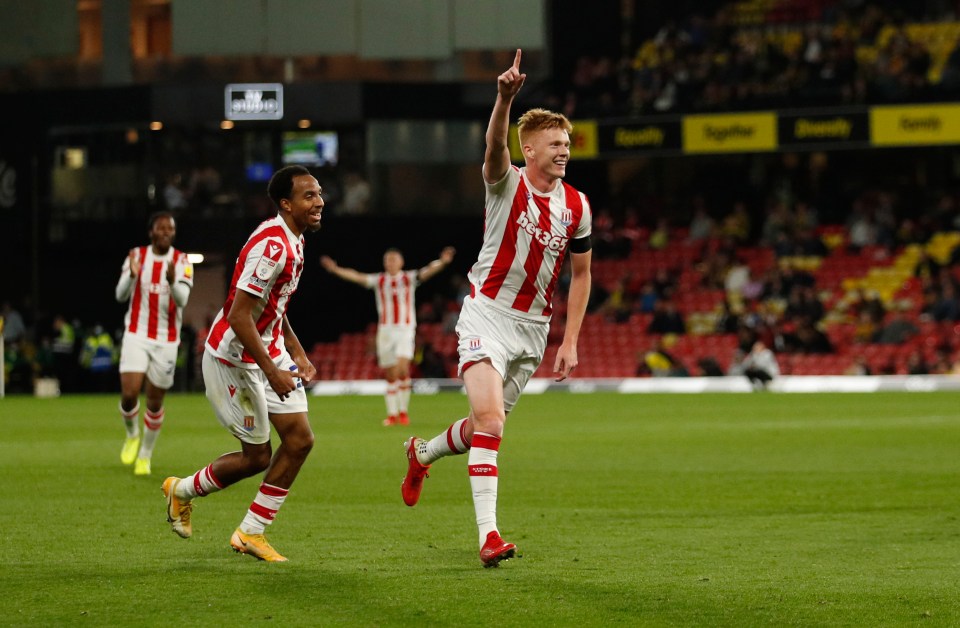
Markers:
point(496, 159)
point(576, 309)
point(434, 267)
point(347, 274)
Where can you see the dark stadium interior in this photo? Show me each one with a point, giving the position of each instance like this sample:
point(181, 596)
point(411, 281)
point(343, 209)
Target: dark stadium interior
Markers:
point(843, 234)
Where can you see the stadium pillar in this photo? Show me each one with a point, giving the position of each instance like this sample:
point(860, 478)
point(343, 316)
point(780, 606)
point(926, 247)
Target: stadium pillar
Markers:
point(115, 22)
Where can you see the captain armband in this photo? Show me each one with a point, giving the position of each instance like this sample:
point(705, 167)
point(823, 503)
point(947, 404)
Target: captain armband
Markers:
point(581, 245)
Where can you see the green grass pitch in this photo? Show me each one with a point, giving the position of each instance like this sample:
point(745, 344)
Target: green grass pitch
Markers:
point(636, 510)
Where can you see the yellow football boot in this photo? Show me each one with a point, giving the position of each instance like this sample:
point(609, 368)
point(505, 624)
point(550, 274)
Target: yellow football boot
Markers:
point(255, 545)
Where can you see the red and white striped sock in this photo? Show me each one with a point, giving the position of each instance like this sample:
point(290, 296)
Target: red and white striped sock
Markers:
point(450, 442)
point(263, 509)
point(482, 466)
point(393, 404)
point(403, 394)
point(200, 484)
point(152, 422)
point(131, 420)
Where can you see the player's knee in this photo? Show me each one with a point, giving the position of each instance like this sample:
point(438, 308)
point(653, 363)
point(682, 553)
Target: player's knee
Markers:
point(302, 444)
point(257, 460)
point(489, 421)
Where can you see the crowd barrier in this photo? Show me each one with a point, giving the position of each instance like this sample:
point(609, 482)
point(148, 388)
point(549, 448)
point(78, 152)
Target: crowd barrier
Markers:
point(786, 384)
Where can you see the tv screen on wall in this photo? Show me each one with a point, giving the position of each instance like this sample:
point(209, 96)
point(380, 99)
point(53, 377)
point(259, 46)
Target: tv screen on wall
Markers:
point(311, 148)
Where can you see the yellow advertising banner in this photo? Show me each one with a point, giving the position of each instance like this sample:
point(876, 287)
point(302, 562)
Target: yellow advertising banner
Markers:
point(583, 141)
point(730, 133)
point(915, 125)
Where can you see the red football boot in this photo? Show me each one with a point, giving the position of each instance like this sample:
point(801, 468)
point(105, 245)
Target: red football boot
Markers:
point(413, 482)
point(496, 549)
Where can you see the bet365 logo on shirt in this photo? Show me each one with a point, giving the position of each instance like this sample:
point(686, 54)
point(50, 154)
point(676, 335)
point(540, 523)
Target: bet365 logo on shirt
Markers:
point(547, 239)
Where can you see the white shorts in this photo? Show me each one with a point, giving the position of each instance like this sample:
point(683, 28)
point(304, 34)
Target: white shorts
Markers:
point(157, 360)
point(394, 343)
point(513, 344)
point(243, 399)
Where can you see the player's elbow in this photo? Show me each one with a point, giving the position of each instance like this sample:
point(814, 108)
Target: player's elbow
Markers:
point(235, 317)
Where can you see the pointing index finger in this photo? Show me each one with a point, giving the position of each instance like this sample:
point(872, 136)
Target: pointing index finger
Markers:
point(516, 61)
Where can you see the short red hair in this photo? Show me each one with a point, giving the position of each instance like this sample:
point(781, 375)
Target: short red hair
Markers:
point(542, 119)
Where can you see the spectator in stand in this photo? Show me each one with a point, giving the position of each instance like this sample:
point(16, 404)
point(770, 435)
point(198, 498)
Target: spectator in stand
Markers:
point(897, 331)
point(174, 194)
point(806, 338)
point(858, 367)
point(728, 322)
point(942, 365)
point(607, 242)
point(664, 283)
point(98, 357)
point(660, 236)
point(809, 243)
point(736, 224)
point(632, 232)
point(356, 194)
point(805, 217)
point(804, 304)
point(917, 364)
point(659, 362)
point(428, 361)
point(866, 328)
point(709, 367)
point(947, 305)
point(714, 269)
point(14, 329)
point(702, 225)
point(65, 354)
point(870, 302)
point(648, 298)
point(927, 267)
point(778, 224)
point(863, 230)
point(667, 319)
point(616, 308)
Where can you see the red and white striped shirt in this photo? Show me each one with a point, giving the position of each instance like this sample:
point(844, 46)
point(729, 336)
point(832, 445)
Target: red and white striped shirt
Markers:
point(269, 268)
point(525, 239)
point(153, 313)
point(396, 306)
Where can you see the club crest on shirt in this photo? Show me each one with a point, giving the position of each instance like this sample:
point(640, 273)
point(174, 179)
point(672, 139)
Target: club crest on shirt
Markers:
point(566, 217)
point(248, 423)
point(474, 344)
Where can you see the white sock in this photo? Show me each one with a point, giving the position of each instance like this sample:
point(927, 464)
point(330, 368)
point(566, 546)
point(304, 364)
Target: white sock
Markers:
point(131, 420)
point(200, 484)
point(263, 509)
point(449, 442)
point(403, 395)
point(391, 399)
point(482, 467)
point(152, 422)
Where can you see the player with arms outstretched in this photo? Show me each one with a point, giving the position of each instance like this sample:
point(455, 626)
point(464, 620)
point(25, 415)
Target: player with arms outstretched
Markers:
point(396, 320)
point(156, 280)
point(254, 369)
point(532, 219)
